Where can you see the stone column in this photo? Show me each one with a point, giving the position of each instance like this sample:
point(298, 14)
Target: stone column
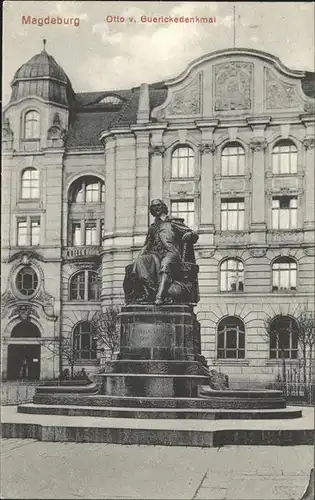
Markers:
point(258, 144)
point(125, 186)
point(142, 183)
point(156, 172)
point(110, 187)
point(258, 217)
point(206, 228)
point(309, 224)
point(207, 150)
point(156, 150)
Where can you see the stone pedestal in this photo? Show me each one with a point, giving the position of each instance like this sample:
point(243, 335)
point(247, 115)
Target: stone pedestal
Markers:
point(159, 333)
point(159, 351)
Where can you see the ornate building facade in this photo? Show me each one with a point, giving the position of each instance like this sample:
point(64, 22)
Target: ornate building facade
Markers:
point(228, 144)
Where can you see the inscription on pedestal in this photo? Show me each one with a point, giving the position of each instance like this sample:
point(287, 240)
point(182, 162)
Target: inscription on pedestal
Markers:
point(147, 335)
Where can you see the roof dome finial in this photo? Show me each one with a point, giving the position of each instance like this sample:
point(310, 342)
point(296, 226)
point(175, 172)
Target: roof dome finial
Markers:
point(44, 43)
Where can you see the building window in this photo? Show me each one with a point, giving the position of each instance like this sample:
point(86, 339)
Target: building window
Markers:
point(91, 234)
point(283, 338)
point(231, 338)
point(22, 232)
point(232, 159)
point(84, 344)
point(284, 158)
point(183, 162)
point(31, 125)
point(284, 212)
point(232, 214)
point(28, 231)
point(35, 231)
point(76, 234)
point(184, 210)
point(27, 281)
point(30, 183)
point(86, 233)
point(284, 274)
point(87, 189)
point(85, 285)
point(232, 276)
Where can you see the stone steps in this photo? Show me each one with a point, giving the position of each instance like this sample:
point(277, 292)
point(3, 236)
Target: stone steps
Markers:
point(51, 388)
point(216, 402)
point(154, 413)
point(165, 432)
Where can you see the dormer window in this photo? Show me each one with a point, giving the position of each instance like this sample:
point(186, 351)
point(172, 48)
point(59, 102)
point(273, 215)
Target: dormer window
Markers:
point(31, 125)
point(111, 100)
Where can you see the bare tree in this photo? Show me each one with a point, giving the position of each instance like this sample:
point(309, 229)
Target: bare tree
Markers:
point(64, 348)
point(306, 341)
point(277, 331)
point(106, 329)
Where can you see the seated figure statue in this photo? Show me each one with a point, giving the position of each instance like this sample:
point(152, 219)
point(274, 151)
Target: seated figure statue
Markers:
point(165, 271)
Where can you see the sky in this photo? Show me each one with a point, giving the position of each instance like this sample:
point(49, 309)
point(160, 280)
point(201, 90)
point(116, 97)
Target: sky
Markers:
point(101, 55)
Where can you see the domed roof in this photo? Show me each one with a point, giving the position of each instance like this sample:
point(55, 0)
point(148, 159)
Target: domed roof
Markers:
point(42, 77)
point(41, 65)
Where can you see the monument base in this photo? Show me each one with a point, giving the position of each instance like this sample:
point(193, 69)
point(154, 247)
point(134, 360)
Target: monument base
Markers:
point(157, 385)
point(159, 354)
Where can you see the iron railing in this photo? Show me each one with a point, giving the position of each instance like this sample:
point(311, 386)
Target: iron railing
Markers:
point(14, 393)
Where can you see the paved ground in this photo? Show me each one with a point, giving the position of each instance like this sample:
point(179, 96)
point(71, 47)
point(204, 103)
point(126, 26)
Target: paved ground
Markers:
point(40, 470)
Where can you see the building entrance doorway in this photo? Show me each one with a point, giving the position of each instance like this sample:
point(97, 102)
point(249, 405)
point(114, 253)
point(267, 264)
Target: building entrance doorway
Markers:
point(23, 362)
point(24, 358)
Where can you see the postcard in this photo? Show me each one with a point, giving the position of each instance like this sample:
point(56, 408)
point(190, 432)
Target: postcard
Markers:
point(157, 250)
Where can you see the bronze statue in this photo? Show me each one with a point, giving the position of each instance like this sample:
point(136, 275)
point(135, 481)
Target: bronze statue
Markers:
point(165, 271)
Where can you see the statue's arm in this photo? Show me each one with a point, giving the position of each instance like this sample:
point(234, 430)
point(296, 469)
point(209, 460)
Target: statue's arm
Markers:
point(186, 233)
point(191, 236)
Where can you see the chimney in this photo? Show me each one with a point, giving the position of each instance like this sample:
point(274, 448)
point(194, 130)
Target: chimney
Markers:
point(143, 114)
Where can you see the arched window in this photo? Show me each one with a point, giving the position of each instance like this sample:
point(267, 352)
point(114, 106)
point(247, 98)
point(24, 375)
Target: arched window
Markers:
point(30, 183)
point(232, 159)
point(231, 338)
point(284, 274)
point(85, 285)
point(25, 329)
point(283, 338)
point(83, 342)
point(232, 276)
point(183, 162)
point(284, 157)
point(31, 125)
point(27, 281)
point(87, 189)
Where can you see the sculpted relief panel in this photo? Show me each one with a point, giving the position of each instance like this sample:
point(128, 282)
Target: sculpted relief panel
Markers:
point(280, 94)
point(186, 101)
point(233, 86)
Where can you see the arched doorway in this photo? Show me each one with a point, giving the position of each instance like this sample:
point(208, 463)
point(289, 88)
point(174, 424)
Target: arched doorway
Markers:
point(24, 357)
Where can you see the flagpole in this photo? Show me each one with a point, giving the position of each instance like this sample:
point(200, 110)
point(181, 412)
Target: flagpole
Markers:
point(234, 27)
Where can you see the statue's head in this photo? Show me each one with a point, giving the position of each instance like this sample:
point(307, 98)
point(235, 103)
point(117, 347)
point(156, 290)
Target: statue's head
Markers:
point(158, 207)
